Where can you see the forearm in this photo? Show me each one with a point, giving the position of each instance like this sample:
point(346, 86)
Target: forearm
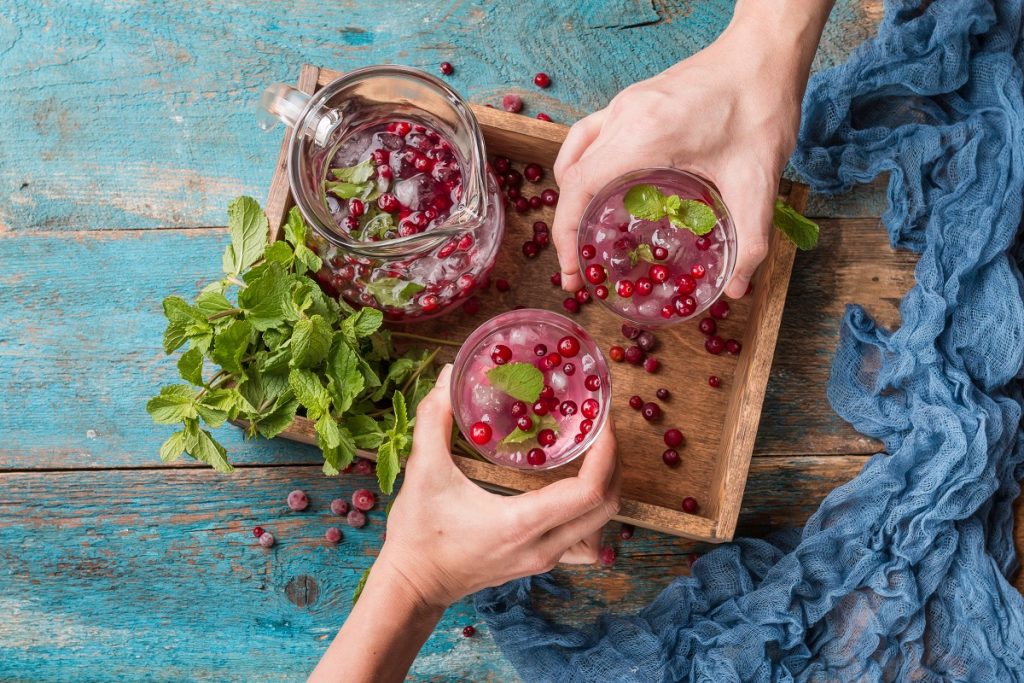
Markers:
point(788, 29)
point(382, 635)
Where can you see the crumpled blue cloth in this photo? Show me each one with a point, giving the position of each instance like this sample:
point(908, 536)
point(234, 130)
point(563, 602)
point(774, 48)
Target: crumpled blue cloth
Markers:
point(901, 575)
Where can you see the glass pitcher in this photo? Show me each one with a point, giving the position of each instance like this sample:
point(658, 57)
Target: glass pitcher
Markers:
point(387, 165)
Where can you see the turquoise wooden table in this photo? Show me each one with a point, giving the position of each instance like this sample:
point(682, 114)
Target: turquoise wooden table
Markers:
point(125, 128)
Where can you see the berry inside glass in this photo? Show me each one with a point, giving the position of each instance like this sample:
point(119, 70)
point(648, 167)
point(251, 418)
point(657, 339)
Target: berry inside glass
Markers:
point(530, 389)
point(653, 269)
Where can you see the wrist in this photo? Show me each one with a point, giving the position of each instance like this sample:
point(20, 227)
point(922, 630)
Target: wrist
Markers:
point(418, 590)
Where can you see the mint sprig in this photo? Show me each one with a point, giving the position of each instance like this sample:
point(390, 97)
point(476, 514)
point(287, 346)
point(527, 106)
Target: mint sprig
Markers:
point(802, 231)
point(521, 381)
point(518, 436)
point(647, 202)
point(280, 348)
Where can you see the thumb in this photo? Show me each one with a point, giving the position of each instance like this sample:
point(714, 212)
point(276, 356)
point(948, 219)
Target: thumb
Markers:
point(432, 433)
point(750, 202)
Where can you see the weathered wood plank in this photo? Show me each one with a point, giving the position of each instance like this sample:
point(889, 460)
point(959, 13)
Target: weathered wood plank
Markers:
point(112, 116)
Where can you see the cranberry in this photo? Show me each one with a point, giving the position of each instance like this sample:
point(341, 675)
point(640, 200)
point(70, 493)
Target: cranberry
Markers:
point(429, 302)
point(714, 381)
point(667, 312)
point(590, 408)
point(356, 207)
point(533, 172)
point(480, 433)
point(514, 178)
point(685, 284)
point(624, 288)
point(592, 382)
point(536, 203)
point(569, 369)
point(356, 519)
point(663, 394)
point(530, 249)
point(542, 80)
point(502, 165)
point(540, 350)
point(568, 346)
point(685, 306)
point(646, 341)
point(733, 346)
point(524, 423)
point(588, 251)
point(547, 392)
point(540, 408)
point(535, 456)
point(298, 500)
point(502, 285)
point(556, 279)
point(586, 426)
point(660, 253)
point(650, 364)
point(518, 408)
point(266, 539)
point(708, 326)
point(363, 466)
point(582, 296)
point(501, 354)
point(571, 305)
point(447, 69)
point(673, 438)
point(697, 271)
point(388, 202)
point(690, 504)
point(617, 353)
point(549, 197)
point(385, 173)
point(257, 531)
point(550, 361)
point(381, 156)
point(635, 355)
point(468, 632)
point(541, 116)
point(658, 273)
point(630, 332)
point(567, 408)
point(626, 531)
point(601, 292)
point(644, 286)
point(513, 193)
point(522, 205)
point(635, 402)
point(512, 103)
point(719, 309)
point(333, 534)
point(546, 437)
point(703, 243)
point(606, 556)
point(670, 457)
point(714, 344)
point(540, 227)
point(363, 499)
point(650, 411)
point(595, 274)
point(579, 438)
point(339, 506)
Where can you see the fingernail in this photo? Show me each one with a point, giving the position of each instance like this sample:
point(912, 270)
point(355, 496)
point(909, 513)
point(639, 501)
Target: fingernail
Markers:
point(445, 376)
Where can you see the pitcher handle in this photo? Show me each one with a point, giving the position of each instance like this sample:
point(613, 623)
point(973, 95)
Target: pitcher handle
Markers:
point(281, 102)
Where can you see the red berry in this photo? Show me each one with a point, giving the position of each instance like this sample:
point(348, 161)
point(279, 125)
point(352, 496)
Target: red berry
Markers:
point(550, 361)
point(719, 309)
point(535, 456)
point(588, 251)
point(714, 382)
point(363, 466)
point(624, 288)
point(530, 249)
point(568, 346)
point(644, 286)
point(590, 408)
point(601, 292)
point(569, 369)
point(447, 69)
point(630, 332)
point(542, 80)
point(703, 243)
point(501, 354)
point(651, 364)
point(546, 437)
point(617, 353)
point(714, 344)
point(707, 326)
point(658, 273)
point(543, 117)
point(635, 355)
point(595, 274)
point(547, 392)
point(626, 531)
point(579, 438)
point(356, 519)
point(524, 422)
point(646, 340)
point(582, 296)
point(663, 394)
point(667, 312)
point(697, 271)
point(388, 202)
point(690, 504)
point(670, 457)
point(592, 382)
point(635, 402)
point(650, 411)
point(685, 284)
point(266, 539)
point(540, 350)
point(533, 172)
point(333, 534)
point(556, 279)
point(518, 408)
point(606, 556)
point(549, 197)
point(512, 103)
point(502, 285)
point(468, 632)
point(363, 500)
point(660, 253)
point(339, 506)
point(502, 165)
point(540, 227)
point(480, 433)
point(567, 408)
point(298, 500)
point(257, 531)
point(522, 205)
point(536, 203)
point(733, 346)
point(586, 426)
point(673, 438)
point(571, 305)
point(540, 408)
point(356, 207)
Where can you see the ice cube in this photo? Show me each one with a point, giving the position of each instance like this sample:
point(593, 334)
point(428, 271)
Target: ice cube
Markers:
point(670, 238)
point(518, 336)
point(588, 363)
point(391, 141)
point(413, 192)
point(487, 399)
point(648, 308)
point(558, 381)
point(603, 234)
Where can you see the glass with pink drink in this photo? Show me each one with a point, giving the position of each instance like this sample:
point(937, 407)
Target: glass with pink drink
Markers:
point(657, 246)
point(530, 389)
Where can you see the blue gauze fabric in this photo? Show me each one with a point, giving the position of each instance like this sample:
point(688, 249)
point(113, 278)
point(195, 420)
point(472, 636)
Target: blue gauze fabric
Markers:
point(901, 573)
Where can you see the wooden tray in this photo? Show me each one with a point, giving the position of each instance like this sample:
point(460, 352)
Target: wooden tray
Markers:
point(720, 424)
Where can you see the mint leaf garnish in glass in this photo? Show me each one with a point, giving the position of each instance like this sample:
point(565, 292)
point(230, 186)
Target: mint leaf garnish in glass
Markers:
point(521, 381)
point(646, 202)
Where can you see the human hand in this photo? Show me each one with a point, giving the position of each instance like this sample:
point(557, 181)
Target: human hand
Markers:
point(447, 537)
point(729, 113)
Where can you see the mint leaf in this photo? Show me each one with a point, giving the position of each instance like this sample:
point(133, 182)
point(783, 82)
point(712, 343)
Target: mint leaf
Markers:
point(190, 366)
point(359, 173)
point(308, 258)
point(390, 291)
point(388, 466)
point(695, 216)
point(802, 231)
point(362, 324)
point(396, 444)
point(204, 448)
point(184, 323)
point(517, 435)
point(345, 382)
point(175, 403)
point(366, 432)
point(172, 449)
point(212, 301)
point(401, 418)
point(310, 392)
point(347, 190)
point(645, 202)
point(642, 251)
point(295, 228)
point(264, 299)
point(280, 252)
point(362, 583)
point(311, 340)
point(279, 417)
point(379, 226)
point(249, 230)
point(230, 344)
point(521, 381)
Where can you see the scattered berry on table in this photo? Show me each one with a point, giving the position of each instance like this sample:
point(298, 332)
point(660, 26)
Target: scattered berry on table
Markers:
point(533, 172)
point(646, 341)
point(363, 499)
point(536, 203)
point(468, 632)
point(651, 364)
point(673, 438)
point(447, 69)
point(542, 80)
point(556, 279)
point(690, 505)
point(363, 466)
point(650, 411)
point(522, 205)
point(257, 531)
point(630, 332)
point(719, 309)
point(626, 531)
point(617, 354)
point(530, 249)
point(266, 539)
point(512, 103)
point(549, 197)
point(339, 506)
point(333, 534)
point(714, 344)
point(670, 457)
point(356, 519)
point(606, 556)
point(539, 227)
point(635, 355)
point(663, 394)
point(714, 381)
point(733, 346)
point(502, 165)
point(582, 296)
point(571, 305)
point(298, 500)
point(543, 117)
point(502, 285)
point(708, 326)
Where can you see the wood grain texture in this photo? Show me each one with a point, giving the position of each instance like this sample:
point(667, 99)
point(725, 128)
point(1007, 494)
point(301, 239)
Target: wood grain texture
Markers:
point(136, 115)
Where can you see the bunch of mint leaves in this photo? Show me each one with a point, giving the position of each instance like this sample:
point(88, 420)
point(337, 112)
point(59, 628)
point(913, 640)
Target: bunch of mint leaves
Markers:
point(280, 348)
point(647, 202)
